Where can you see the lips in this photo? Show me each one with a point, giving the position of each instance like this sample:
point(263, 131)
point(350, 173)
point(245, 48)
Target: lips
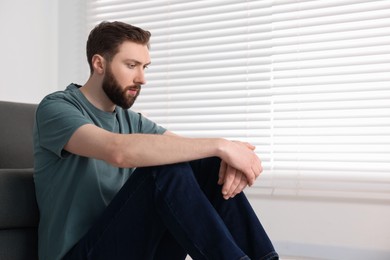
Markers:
point(133, 91)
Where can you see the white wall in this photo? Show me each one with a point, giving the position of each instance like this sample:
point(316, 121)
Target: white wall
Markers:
point(325, 227)
point(40, 46)
point(71, 47)
point(28, 49)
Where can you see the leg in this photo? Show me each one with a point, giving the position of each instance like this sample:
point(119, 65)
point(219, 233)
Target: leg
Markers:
point(152, 200)
point(129, 228)
point(236, 213)
point(169, 248)
point(190, 217)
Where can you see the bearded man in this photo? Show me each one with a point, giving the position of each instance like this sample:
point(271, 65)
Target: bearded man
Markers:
point(112, 184)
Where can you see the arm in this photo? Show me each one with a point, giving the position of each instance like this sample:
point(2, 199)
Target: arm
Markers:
point(138, 150)
point(233, 181)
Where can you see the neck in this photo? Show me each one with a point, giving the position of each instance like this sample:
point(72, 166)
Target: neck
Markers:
point(95, 94)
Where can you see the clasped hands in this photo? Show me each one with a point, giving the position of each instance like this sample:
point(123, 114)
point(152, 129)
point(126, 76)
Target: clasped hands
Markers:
point(233, 180)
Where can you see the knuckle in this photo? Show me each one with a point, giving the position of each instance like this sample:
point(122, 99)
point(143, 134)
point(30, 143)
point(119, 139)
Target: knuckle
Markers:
point(237, 181)
point(229, 178)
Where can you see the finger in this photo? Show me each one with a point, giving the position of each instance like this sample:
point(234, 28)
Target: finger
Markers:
point(258, 168)
point(236, 182)
point(250, 146)
point(230, 174)
point(241, 186)
point(250, 177)
point(253, 171)
point(222, 172)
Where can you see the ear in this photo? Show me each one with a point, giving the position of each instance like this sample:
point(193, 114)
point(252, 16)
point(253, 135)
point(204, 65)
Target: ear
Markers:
point(98, 63)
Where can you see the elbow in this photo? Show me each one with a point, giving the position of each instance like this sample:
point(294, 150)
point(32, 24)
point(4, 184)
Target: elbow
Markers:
point(118, 156)
point(116, 159)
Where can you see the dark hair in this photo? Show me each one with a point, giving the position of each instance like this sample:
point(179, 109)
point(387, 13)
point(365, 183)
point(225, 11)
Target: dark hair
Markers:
point(106, 37)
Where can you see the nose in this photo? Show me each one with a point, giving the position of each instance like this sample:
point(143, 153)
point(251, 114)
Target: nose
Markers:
point(140, 77)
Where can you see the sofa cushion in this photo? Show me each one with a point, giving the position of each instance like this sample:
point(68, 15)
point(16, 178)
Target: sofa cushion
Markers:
point(16, 142)
point(18, 206)
point(19, 244)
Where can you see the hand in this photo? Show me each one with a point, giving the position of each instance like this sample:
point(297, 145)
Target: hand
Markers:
point(241, 156)
point(232, 180)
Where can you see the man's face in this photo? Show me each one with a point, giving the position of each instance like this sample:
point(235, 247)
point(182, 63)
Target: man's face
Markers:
point(120, 96)
point(124, 75)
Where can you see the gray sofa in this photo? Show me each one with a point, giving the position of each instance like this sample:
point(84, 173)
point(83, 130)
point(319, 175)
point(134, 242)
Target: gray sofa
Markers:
point(18, 208)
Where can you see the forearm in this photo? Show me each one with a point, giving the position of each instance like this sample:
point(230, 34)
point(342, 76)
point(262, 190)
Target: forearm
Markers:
point(139, 150)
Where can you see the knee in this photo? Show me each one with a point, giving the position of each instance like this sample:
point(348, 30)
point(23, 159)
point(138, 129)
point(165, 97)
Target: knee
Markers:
point(176, 170)
point(174, 177)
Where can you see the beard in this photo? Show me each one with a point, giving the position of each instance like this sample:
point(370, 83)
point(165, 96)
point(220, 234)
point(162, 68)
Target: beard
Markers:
point(118, 95)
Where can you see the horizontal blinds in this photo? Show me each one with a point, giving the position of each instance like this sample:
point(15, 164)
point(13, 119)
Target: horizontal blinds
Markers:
point(331, 93)
point(307, 82)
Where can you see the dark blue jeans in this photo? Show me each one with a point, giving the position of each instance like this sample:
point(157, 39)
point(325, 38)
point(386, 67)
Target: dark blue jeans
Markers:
point(167, 212)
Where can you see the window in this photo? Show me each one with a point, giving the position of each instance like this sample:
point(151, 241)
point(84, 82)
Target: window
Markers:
point(307, 82)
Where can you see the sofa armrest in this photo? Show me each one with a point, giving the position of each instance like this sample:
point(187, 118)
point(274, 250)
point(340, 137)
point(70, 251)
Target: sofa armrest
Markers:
point(16, 132)
point(18, 206)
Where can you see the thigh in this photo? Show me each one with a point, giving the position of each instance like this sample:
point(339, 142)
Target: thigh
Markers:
point(129, 228)
point(206, 173)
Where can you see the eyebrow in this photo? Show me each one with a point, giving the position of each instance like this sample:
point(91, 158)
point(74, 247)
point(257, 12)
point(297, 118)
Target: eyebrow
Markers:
point(138, 62)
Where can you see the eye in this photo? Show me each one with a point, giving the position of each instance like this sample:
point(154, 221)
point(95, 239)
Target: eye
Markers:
point(131, 65)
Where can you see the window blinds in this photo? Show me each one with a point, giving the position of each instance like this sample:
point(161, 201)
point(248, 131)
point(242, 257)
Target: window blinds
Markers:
point(307, 82)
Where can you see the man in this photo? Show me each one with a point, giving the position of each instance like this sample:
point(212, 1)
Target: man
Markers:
point(111, 184)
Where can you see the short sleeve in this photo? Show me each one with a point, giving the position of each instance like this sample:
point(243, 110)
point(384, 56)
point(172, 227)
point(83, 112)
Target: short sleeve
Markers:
point(56, 121)
point(147, 126)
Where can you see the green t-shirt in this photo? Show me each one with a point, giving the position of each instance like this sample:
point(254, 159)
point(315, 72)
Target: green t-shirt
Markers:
point(72, 191)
